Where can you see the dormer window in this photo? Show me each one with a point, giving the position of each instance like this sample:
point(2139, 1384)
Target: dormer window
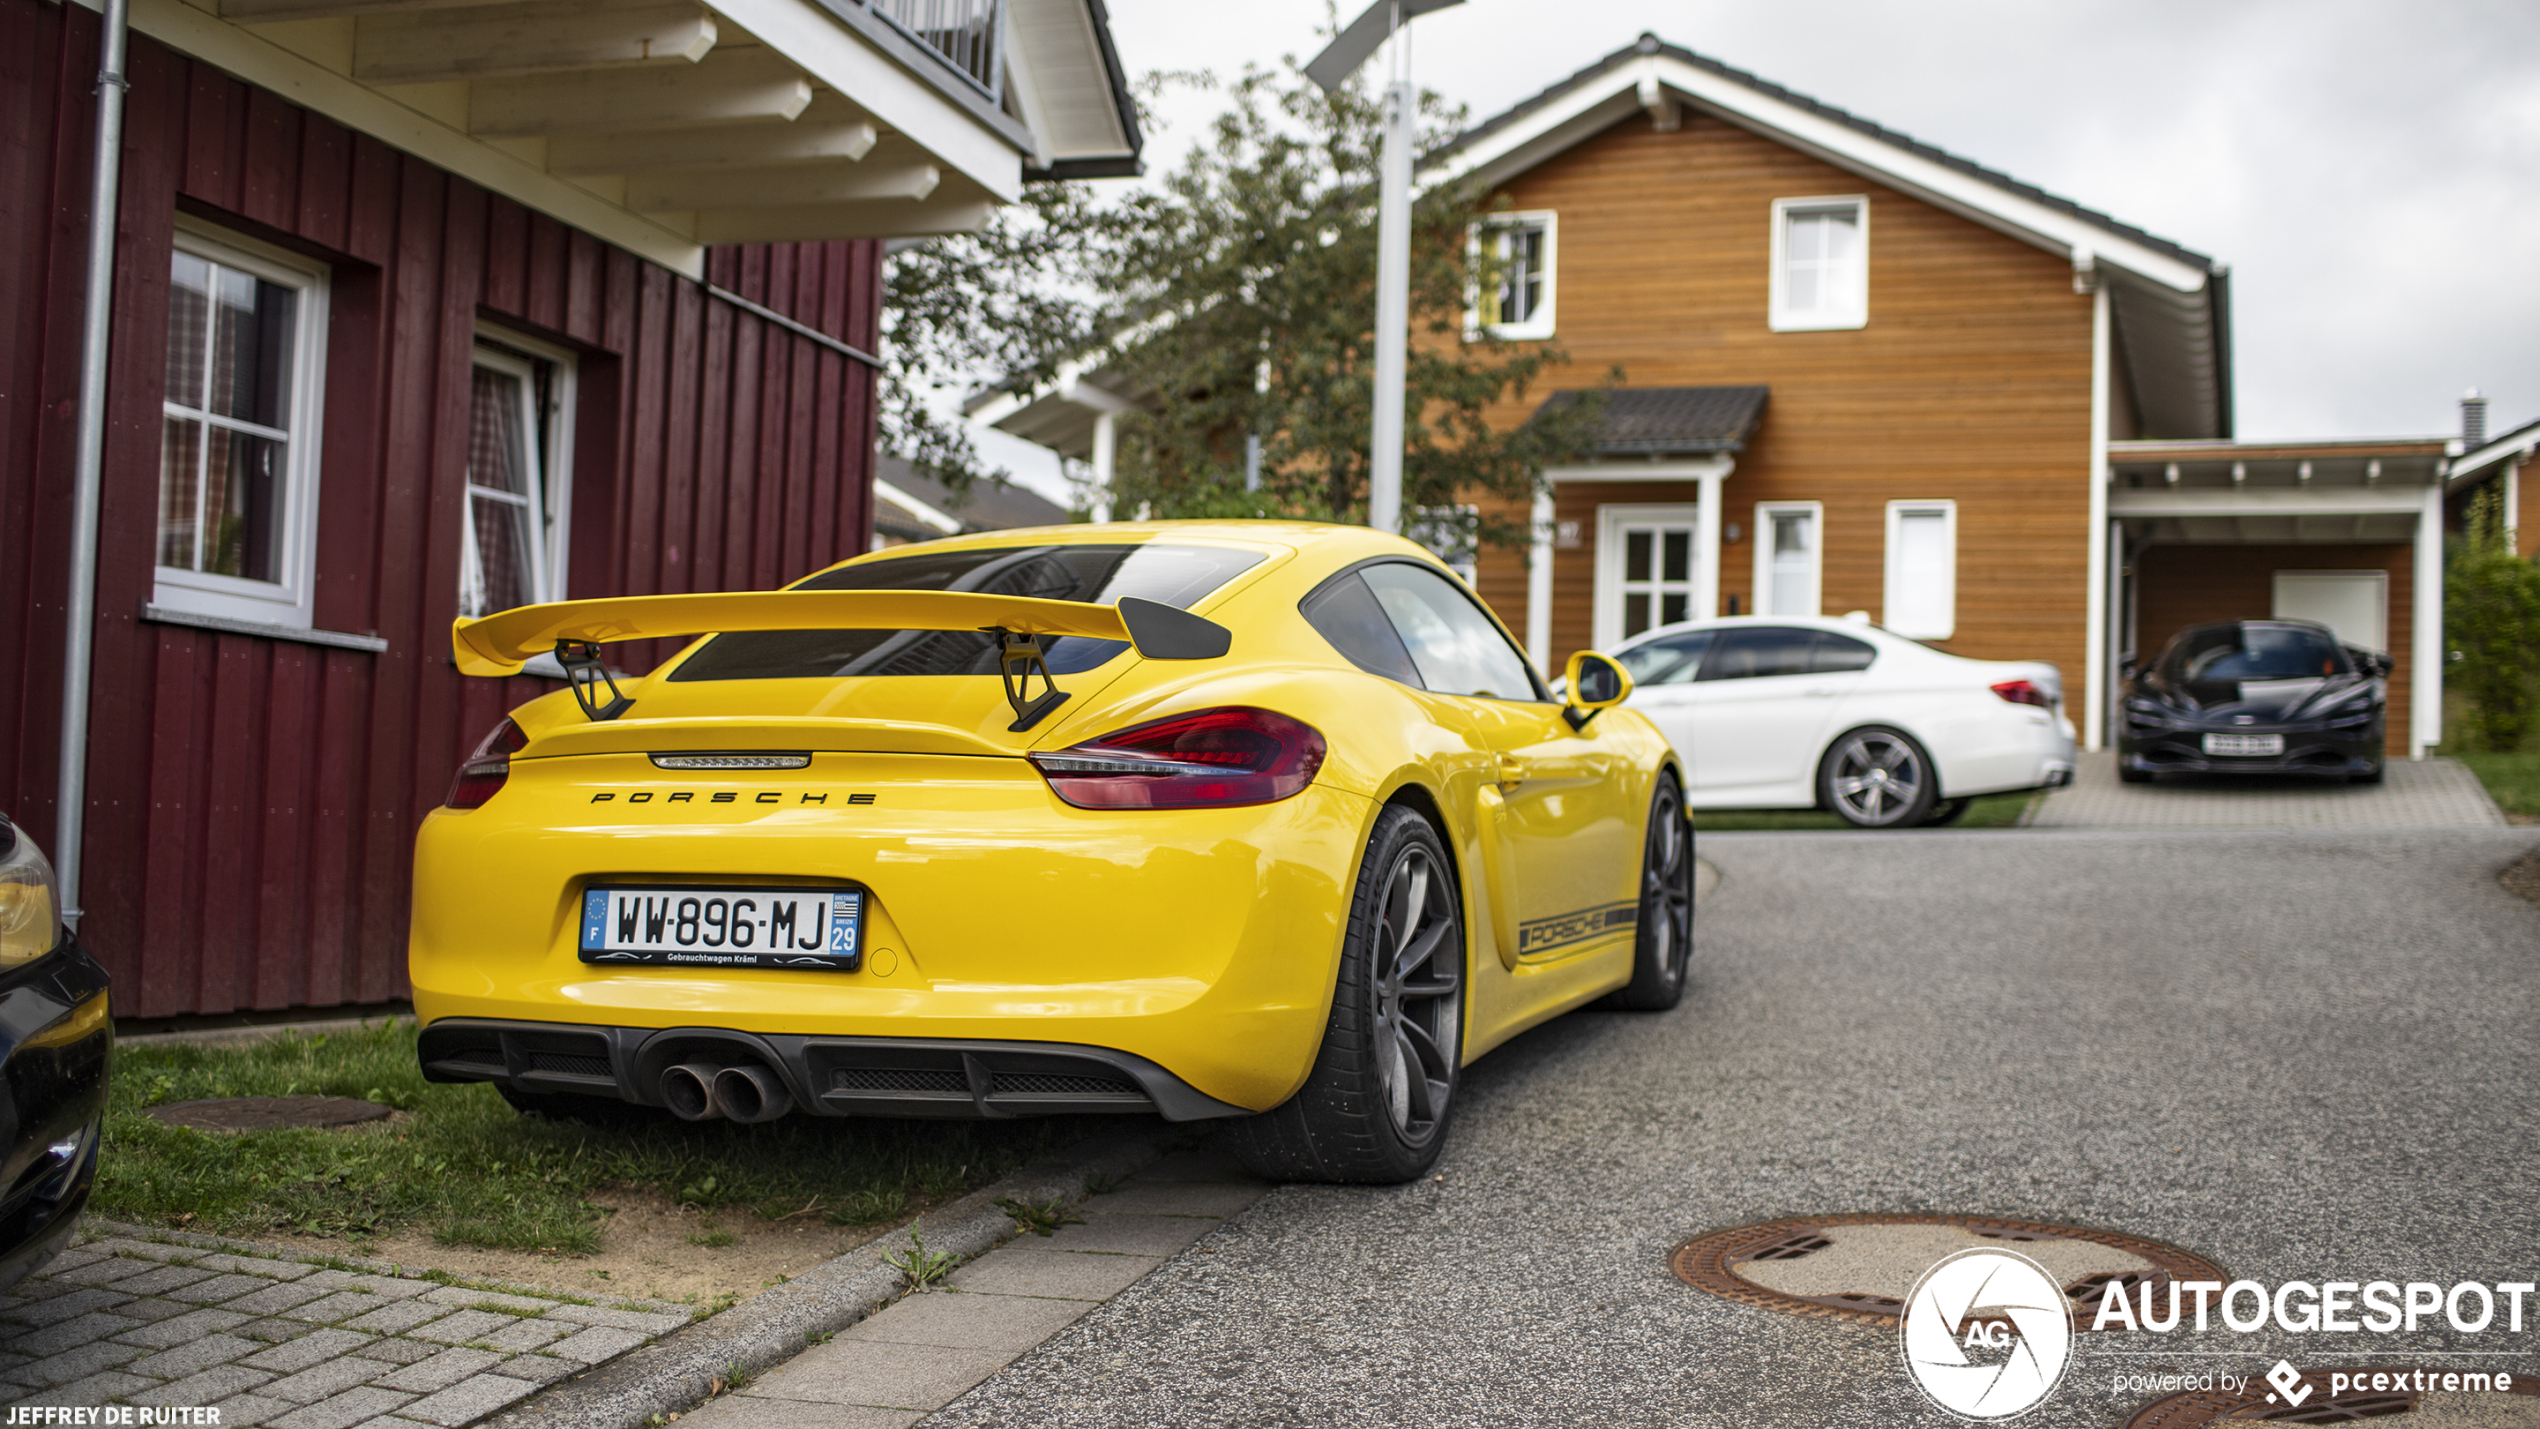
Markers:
point(1821, 263)
point(1518, 302)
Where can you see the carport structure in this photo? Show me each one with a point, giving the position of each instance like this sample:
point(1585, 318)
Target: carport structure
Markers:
point(2348, 533)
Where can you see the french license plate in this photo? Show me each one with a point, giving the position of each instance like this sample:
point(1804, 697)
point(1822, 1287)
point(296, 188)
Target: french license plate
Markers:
point(725, 927)
point(2244, 744)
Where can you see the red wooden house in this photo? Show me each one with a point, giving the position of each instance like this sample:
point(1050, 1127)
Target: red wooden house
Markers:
point(419, 311)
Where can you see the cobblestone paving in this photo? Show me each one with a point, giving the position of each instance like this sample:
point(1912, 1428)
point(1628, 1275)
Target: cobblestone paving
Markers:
point(2414, 794)
point(291, 1344)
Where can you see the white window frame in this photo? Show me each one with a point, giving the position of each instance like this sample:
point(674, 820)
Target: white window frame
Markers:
point(1785, 320)
point(1765, 511)
point(1892, 595)
point(289, 602)
point(1611, 521)
point(501, 348)
point(1541, 324)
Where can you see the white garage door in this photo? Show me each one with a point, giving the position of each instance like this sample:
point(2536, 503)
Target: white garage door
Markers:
point(2355, 604)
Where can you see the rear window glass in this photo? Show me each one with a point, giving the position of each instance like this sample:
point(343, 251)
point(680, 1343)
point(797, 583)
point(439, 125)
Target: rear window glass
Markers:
point(1839, 653)
point(1668, 660)
point(1178, 576)
point(1758, 652)
point(2254, 652)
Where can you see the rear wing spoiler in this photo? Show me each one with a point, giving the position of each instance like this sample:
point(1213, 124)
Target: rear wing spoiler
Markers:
point(574, 629)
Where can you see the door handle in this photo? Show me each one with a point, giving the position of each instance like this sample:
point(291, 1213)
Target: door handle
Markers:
point(1512, 772)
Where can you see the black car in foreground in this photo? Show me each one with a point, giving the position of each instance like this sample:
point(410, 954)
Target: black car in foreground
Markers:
point(55, 1041)
point(2255, 697)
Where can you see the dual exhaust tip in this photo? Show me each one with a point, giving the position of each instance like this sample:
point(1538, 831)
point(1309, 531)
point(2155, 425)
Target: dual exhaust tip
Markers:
point(746, 1092)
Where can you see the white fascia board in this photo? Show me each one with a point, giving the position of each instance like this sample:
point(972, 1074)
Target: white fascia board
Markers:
point(357, 106)
point(1638, 469)
point(2402, 498)
point(2514, 444)
point(824, 49)
point(1574, 116)
point(914, 507)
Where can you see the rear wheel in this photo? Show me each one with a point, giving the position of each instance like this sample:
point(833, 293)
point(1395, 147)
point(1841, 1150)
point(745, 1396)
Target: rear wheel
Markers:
point(1374, 1109)
point(1663, 948)
point(1947, 811)
point(1878, 778)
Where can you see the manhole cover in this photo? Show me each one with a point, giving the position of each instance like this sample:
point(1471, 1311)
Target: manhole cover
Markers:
point(2324, 1401)
point(268, 1113)
point(1862, 1267)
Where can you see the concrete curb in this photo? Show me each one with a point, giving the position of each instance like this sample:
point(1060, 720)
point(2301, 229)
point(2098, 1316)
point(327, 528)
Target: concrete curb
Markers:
point(93, 1227)
point(678, 1370)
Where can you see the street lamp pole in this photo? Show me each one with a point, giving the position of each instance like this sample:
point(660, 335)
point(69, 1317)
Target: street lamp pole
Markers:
point(1330, 69)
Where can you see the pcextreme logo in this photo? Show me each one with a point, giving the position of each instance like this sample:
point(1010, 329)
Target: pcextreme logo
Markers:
point(1986, 1334)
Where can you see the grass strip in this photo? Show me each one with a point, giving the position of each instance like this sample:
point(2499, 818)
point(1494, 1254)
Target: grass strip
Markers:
point(1986, 811)
point(2512, 780)
point(463, 1164)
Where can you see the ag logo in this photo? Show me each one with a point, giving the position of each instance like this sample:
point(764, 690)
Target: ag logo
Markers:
point(1986, 1334)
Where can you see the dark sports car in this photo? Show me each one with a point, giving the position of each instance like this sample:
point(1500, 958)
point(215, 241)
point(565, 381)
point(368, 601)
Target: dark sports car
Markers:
point(55, 1037)
point(2256, 697)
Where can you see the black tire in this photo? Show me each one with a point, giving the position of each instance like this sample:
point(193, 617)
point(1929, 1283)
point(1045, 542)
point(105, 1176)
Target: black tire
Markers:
point(1875, 777)
point(1663, 948)
point(1395, 1010)
point(2370, 776)
point(590, 1111)
point(2127, 774)
point(1947, 811)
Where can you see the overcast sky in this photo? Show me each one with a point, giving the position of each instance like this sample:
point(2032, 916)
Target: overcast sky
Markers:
point(2371, 172)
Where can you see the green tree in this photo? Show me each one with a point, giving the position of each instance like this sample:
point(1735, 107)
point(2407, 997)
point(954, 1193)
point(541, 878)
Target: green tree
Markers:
point(1244, 287)
point(2491, 620)
point(1012, 300)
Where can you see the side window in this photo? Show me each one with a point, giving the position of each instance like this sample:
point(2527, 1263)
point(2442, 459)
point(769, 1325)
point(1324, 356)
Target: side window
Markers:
point(512, 544)
point(1671, 660)
point(1759, 651)
point(1837, 654)
point(238, 433)
point(1345, 612)
point(1519, 303)
point(1821, 263)
point(1457, 649)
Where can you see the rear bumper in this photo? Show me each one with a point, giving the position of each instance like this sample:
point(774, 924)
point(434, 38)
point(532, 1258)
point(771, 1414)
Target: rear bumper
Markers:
point(828, 1076)
point(56, 1041)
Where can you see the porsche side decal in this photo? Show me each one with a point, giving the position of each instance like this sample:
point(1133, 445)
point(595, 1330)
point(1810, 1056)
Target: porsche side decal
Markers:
point(1562, 929)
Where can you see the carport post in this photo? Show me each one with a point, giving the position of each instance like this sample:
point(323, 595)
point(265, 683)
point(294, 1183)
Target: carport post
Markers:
point(2425, 683)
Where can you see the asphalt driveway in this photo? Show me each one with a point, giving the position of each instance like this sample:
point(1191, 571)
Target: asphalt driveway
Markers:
point(2303, 1055)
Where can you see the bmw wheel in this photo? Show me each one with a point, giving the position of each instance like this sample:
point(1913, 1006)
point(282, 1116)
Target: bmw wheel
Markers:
point(1878, 778)
point(1374, 1109)
point(1664, 947)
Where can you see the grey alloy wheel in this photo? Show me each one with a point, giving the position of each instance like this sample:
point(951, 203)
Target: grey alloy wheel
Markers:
point(1878, 778)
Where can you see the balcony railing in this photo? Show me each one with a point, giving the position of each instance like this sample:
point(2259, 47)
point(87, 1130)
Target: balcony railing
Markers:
point(967, 33)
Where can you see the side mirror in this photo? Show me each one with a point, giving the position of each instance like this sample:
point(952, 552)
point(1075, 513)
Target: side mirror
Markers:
point(1594, 682)
point(2128, 668)
point(2378, 666)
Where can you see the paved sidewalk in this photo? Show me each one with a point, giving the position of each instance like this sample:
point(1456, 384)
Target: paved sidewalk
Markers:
point(894, 1368)
point(292, 1344)
point(2418, 794)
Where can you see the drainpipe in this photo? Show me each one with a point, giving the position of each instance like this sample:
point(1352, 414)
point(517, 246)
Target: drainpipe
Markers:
point(88, 461)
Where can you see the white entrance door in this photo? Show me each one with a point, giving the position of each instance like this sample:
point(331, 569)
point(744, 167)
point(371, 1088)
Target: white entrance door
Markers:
point(1648, 566)
point(2355, 604)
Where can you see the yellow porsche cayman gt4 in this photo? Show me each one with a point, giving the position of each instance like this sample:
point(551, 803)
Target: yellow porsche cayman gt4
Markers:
point(1249, 820)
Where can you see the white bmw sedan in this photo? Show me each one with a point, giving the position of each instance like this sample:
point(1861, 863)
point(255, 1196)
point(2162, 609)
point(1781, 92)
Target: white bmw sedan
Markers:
point(1786, 712)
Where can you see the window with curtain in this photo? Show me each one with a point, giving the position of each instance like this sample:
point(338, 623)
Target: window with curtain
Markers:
point(504, 545)
point(1519, 301)
point(1821, 263)
point(1787, 559)
point(237, 437)
point(1922, 569)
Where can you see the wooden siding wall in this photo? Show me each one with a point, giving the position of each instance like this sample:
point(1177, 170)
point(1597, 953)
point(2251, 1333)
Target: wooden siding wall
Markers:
point(253, 801)
point(1971, 381)
point(2180, 586)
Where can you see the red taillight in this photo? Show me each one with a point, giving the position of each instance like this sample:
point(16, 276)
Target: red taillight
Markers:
point(481, 776)
point(2021, 692)
point(1211, 758)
